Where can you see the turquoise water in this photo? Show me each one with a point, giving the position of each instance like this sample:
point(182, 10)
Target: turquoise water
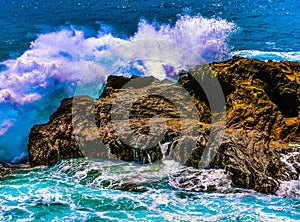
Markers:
point(55, 49)
point(82, 190)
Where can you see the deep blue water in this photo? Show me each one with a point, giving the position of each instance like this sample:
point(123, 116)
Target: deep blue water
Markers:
point(271, 25)
point(54, 49)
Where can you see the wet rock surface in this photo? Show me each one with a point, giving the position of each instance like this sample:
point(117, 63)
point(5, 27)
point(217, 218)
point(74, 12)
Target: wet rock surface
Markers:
point(248, 139)
point(5, 170)
point(252, 161)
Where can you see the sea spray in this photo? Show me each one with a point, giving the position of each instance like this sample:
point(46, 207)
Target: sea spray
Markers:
point(291, 188)
point(65, 63)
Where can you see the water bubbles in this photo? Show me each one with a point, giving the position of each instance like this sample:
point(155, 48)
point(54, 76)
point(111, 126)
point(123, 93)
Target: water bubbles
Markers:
point(60, 193)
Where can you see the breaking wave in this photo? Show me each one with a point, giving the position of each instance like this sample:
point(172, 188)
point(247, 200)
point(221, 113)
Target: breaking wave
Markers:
point(272, 55)
point(66, 63)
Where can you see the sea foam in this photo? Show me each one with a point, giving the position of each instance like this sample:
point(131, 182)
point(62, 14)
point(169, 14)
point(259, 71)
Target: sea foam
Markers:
point(66, 63)
point(271, 55)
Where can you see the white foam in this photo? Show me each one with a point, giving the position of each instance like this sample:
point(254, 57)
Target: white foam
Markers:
point(272, 55)
point(201, 180)
point(114, 175)
point(290, 159)
point(291, 188)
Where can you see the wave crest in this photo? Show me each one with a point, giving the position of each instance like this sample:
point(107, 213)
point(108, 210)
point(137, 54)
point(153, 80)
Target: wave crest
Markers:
point(64, 63)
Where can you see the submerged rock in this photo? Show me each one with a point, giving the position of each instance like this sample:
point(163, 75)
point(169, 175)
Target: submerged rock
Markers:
point(208, 180)
point(145, 120)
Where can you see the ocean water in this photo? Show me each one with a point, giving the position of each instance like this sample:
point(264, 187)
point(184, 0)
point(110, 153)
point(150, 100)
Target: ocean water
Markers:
point(50, 50)
point(85, 190)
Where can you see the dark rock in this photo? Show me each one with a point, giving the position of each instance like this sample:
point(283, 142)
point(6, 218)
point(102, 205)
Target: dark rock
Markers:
point(277, 79)
point(5, 170)
point(48, 143)
point(253, 161)
point(261, 95)
point(143, 110)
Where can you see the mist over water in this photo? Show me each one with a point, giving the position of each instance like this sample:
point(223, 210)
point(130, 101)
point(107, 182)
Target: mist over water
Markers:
point(66, 63)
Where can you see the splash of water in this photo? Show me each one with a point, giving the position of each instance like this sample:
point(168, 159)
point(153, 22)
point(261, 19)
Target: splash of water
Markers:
point(291, 188)
point(65, 63)
point(85, 190)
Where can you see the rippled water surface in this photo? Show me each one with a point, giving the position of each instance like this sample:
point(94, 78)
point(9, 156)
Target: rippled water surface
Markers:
point(264, 25)
point(76, 190)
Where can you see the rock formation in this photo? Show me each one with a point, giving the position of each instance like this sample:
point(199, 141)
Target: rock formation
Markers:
point(83, 126)
point(135, 118)
point(5, 170)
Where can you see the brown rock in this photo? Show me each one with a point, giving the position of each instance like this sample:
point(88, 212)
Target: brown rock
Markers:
point(5, 170)
point(261, 95)
point(253, 161)
point(148, 109)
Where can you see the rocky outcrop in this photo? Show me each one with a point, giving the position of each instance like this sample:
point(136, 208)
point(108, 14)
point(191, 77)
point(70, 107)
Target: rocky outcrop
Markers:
point(144, 119)
point(250, 158)
point(253, 161)
point(259, 95)
point(5, 170)
point(100, 128)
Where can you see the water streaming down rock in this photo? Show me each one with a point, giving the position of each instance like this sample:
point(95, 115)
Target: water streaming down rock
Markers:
point(165, 148)
point(149, 158)
point(291, 188)
point(292, 160)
